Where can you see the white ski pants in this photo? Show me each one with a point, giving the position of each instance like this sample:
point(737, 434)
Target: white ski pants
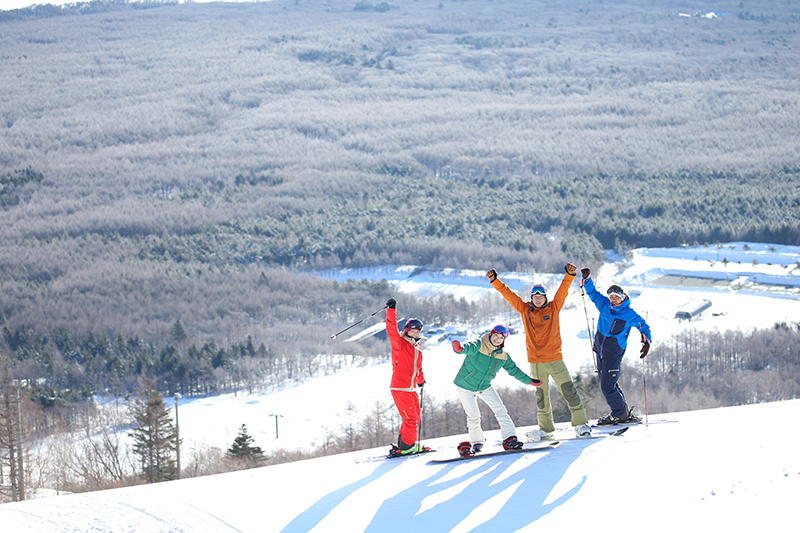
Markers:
point(469, 399)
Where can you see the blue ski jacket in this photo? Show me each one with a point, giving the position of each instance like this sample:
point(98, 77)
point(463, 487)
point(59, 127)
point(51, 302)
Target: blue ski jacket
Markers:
point(614, 324)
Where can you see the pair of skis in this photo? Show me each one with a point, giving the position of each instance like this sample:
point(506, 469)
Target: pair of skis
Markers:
point(389, 456)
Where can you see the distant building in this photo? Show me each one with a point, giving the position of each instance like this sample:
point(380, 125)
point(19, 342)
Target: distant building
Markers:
point(692, 309)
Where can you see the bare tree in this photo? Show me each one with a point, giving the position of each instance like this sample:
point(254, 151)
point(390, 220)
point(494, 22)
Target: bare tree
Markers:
point(11, 447)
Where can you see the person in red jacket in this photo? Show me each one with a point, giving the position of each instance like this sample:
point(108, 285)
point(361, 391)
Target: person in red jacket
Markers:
point(406, 377)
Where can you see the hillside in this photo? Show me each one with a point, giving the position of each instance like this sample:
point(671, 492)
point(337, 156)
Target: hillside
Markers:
point(183, 162)
point(685, 471)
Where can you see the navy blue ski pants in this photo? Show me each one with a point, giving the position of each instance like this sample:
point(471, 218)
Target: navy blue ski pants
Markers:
point(609, 368)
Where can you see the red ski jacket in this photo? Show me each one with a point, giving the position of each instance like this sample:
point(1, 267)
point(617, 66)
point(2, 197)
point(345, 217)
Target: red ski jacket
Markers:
point(406, 357)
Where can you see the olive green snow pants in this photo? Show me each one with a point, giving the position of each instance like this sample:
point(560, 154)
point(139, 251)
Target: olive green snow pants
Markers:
point(558, 371)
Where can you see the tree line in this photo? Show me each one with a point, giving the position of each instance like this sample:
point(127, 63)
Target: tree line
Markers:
point(294, 344)
point(230, 280)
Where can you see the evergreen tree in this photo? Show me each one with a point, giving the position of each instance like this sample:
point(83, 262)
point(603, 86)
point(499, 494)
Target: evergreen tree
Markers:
point(155, 438)
point(242, 450)
point(177, 333)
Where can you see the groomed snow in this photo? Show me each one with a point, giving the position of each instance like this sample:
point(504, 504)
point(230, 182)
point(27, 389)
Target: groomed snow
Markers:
point(732, 469)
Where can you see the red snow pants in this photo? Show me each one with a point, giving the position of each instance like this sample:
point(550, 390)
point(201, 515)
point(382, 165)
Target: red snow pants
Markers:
point(408, 406)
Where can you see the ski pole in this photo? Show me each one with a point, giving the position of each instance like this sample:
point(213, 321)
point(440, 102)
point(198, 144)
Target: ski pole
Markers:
point(357, 323)
point(588, 329)
point(421, 412)
point(644, 380)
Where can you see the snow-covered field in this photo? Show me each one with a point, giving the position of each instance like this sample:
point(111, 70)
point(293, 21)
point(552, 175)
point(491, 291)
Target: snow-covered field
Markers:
point(733, 469)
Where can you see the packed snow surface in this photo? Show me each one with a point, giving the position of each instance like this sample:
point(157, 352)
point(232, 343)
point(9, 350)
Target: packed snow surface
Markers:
point(730, 469)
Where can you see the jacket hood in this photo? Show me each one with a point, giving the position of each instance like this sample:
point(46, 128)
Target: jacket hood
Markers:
point(487, 347)
point(624, 304)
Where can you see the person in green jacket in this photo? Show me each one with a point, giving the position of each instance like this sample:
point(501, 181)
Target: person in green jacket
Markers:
point(484, 358)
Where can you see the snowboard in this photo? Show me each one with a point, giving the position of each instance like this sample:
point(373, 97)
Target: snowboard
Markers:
point(538, 447)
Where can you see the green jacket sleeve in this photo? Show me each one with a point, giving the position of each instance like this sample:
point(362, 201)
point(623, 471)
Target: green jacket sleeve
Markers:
point(471, 348)
point(515, 372)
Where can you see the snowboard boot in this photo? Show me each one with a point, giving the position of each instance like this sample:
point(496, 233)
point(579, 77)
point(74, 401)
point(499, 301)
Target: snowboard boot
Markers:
point(477, 447)
point(608, 420)
point(465, 449)
point(583, 431)
point(630, 418)
point(537, 434)
point(511, 443)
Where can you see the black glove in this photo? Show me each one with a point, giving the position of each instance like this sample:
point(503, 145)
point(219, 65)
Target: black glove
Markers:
point(585, 272)
point(570, 269)
point(391, 303)
point(492, 275)
point(645, 346)
point(422, 384)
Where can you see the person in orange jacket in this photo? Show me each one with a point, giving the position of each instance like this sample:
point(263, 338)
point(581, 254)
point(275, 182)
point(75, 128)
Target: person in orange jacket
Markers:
point(540, 317)
point(406, 377)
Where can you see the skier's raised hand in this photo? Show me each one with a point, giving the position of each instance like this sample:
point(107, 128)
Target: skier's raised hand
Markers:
point(585, 272)
point(645, 346)
point(457, 346)
point(391, 303)
point(492, 275)
point(570, 268)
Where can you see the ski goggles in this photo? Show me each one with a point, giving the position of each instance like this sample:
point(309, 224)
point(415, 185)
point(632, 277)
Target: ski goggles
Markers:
point(615, 289)
point(414, 324)
point(502, 330)
point(538, 289)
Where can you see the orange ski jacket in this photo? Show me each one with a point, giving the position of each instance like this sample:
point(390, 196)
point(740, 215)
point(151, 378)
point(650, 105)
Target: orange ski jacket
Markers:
point(542, 326)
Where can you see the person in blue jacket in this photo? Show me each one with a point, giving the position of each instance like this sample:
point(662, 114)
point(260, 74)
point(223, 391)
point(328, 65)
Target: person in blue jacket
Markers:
point(484, 358)
point(615, 323)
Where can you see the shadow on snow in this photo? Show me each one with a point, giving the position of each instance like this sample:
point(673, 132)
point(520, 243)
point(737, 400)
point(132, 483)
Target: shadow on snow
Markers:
point(498, 493)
